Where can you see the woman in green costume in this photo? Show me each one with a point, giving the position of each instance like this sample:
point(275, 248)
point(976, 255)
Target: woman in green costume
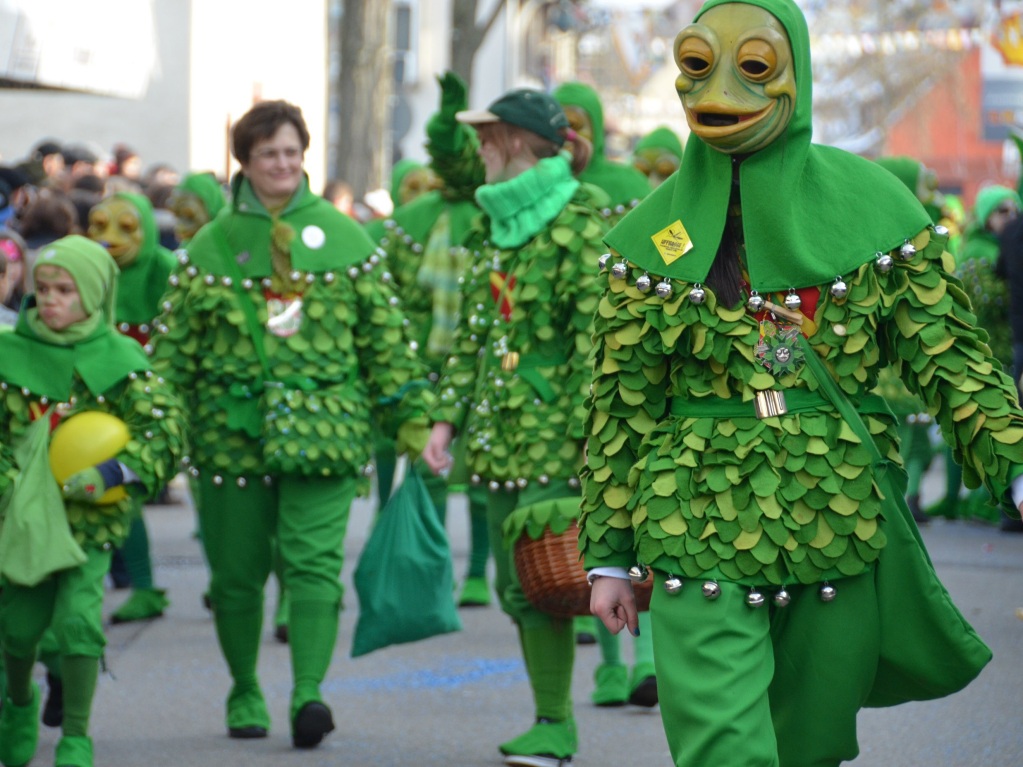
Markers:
point(626, 186)
point(423, 242)
point(64, 359)
point(284, 333)
point(747, 305)
point(124, 224)
point(514, 386)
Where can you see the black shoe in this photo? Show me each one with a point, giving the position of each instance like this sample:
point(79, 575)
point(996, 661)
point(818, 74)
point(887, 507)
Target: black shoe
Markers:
point(53, 711)
point(311, 723)
point(281, 633)
point(250, 732)
point(1010, 525)
point(585, 637)
point(645, 693)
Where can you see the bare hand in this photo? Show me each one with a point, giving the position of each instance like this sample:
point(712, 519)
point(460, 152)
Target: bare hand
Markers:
point(436, 453)
point(612, 601)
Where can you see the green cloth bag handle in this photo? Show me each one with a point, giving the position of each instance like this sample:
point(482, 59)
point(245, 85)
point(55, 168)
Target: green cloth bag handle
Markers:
point(927, 648)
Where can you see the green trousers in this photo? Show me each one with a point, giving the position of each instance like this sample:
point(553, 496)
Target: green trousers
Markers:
point(548, 643)
point(764, 687)
point(309, 519)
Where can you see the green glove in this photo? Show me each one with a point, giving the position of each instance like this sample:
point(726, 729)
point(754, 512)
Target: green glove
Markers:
point(412, 438)
point(446, 135)
point(91, 484)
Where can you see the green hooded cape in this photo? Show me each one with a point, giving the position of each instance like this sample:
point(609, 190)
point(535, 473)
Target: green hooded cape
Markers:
point(785, 248)
point(141, 284)
point(623, 183)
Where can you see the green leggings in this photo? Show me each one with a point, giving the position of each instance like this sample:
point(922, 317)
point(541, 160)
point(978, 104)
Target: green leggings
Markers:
point(309, 519)
point(765, 687)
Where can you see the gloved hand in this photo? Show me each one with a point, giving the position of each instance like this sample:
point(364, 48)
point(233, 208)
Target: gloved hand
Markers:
point(90, 484)
point(412, 438)
point(442, 129)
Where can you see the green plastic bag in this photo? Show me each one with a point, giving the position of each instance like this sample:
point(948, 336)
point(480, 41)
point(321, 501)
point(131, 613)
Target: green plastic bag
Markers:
point(35, 538)
point(404, 578)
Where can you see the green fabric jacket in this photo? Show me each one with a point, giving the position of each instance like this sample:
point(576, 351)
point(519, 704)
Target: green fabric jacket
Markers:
point(350, 355)
point(525, 425)
point(107, 373)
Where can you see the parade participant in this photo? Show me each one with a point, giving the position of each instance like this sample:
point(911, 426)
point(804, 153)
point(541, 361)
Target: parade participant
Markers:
point(64, 361)
point(515, 382)
point(195, 201)
point(124, 224)
point(657, 154)
point(626, 186)
point(284, 334)
point(423, 242)
point(748, 304)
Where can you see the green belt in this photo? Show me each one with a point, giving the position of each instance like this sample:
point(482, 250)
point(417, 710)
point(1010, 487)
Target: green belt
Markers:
point(795, 401)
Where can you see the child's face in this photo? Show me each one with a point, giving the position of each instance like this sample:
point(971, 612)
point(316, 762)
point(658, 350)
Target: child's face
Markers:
point(57, 297)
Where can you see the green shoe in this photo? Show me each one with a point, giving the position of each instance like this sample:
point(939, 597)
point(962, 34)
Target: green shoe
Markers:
point(612, 685)
point(247, 716)
point(643, 686)
point(142, 605)
point(73, 751)
point(19, 731)
point(475, 593)
point(546, 744)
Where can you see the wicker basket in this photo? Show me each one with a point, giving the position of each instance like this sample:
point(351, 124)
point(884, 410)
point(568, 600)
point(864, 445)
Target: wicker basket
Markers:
point(553, 578)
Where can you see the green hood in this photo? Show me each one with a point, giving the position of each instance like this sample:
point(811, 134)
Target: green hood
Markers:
point(623, 183)
point(206, 187)
point(661, 138)
point(142, 284)
point(810, 212)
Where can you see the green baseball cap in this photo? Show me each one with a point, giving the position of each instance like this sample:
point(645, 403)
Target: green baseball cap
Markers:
point(527, 108)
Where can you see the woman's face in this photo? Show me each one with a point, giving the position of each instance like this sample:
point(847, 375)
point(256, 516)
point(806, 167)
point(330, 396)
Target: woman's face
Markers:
point(274, 167)
point(57, 298)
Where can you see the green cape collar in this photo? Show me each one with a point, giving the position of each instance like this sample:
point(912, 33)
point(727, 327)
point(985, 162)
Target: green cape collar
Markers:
point(47, 370)
point(809, 212)
point(325, 239)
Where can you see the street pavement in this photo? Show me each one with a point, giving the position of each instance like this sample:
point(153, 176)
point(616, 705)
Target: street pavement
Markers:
point(450, 700)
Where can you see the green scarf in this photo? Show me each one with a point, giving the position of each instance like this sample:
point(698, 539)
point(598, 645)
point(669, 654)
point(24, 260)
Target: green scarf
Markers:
point(809, 212)
point(325, 238)
point(521, 207)
point(440, 272)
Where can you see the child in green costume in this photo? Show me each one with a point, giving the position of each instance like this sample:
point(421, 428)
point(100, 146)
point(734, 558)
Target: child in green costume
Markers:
point(124, 224)
point(65, 358)
point(657, 155)
point(423, 242)
point(515, 383)
point(284, 333)
point(748, 304)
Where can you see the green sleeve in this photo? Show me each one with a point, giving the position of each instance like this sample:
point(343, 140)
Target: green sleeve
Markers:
point(627, 400)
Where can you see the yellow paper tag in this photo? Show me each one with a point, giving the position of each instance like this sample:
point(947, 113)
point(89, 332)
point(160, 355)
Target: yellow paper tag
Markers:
point(672, 242)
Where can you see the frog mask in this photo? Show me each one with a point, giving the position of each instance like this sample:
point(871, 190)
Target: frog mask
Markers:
point(737, 78)
point(189, 214)
point(116, 224)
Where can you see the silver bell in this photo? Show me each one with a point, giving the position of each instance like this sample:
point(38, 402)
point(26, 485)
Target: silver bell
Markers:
point(828, 593)
point(697, 295)
point(793, 301)
point(755, 302)
point(663, 289)
point(602, 261)
point(711, 590)
point(839, 289)
point(755, 599)
point(619, 270)
point(883, 263)
point(643, 283)
point(782, 598)
point(907, 251)
point(638, 573)
point(942, 230)
point(673, 585)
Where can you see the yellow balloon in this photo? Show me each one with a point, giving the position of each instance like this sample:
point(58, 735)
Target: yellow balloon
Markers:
point(84, 440)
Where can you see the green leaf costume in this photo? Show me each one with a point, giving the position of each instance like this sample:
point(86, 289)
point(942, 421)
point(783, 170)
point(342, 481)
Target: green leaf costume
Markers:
point(684, 477)
point(348, 357)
